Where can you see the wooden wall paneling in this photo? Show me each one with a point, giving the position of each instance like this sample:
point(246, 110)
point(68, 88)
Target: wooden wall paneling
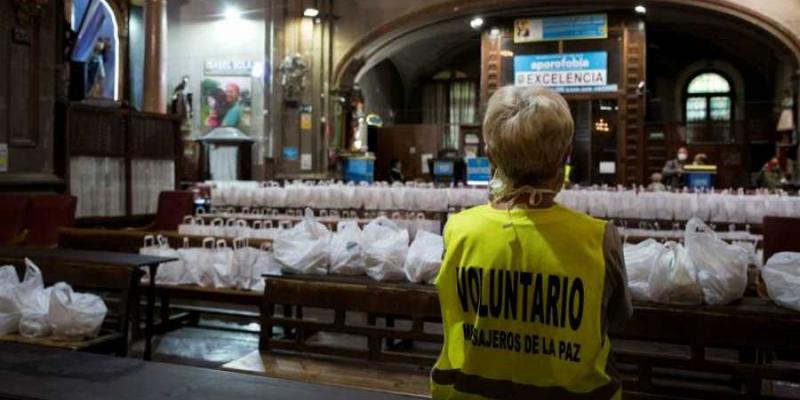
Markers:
point(148, 138)
point(397, 142)
point(633, 105)
point(21, 103)
point(46, 78)
point(6, 16)
point(491, 68)
point(95, 132)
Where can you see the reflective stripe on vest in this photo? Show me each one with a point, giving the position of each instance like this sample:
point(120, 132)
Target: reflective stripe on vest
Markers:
point(522, 301)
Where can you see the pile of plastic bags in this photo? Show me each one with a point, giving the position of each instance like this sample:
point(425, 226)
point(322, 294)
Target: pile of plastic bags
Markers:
point(723, 207)
point(410, 196)
point(214, 264)
point(705, 270)
point(381, 250)
point(30, 309)
point(781, 275)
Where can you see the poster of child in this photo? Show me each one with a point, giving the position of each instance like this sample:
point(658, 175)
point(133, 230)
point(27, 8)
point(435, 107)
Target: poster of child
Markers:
point(226, 101)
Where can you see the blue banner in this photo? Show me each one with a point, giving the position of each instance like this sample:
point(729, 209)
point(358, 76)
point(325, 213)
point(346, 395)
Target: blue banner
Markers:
point(570, 27)
point(568, 72)
point(479, 171)
point(290, 153)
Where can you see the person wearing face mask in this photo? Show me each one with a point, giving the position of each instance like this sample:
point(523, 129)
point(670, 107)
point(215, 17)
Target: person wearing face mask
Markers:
point(673, 169)
point(528, 287)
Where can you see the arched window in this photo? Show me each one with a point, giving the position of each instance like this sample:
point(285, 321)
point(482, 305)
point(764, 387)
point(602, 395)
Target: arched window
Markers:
point(708, 108)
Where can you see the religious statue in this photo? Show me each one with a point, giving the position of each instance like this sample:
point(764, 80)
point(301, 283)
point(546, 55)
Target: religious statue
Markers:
point(181, 104)
point(293, 70)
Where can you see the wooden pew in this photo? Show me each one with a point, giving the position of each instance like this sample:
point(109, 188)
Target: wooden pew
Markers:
point(128, 241)
point(131, 241)
point(117, 287)
point(666, 351)
point(343, 296)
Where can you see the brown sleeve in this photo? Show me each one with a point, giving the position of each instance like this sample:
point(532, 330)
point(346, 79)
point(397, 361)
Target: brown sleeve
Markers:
point(616, 298)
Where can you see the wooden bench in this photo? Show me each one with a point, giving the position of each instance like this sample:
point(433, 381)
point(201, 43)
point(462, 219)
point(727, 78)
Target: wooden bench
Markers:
point(665, 351)
point(353, 307)
point(131, 241)
point(128, 241)
point(116, 285)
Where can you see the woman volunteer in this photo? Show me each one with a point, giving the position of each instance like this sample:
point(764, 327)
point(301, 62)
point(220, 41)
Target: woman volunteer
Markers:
point(527, 287)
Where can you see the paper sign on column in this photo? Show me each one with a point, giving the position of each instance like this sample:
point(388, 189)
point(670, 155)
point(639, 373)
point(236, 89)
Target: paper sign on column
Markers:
point(425, 158)
point(305, 162)
point(305, 121)
point(3, 157)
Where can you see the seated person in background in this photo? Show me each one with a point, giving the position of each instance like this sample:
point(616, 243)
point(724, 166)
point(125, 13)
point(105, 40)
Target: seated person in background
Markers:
point(396, 171)
point(655, 183)
point(700, 159)
point(524, 276)
point(673, 169)
point(771, 175)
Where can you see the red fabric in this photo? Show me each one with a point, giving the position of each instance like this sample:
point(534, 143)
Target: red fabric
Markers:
point(47, 214)
point(13, 209)
point(780, 234)
point(172, 207)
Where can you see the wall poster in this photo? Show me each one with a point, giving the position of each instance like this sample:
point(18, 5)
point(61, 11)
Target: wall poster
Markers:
point(566, 73)
point(569, 27)
point(226, 95)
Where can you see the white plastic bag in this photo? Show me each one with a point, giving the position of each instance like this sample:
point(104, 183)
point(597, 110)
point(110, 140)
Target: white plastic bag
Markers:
point(220, 267)
point(721, 267)
point(304, 248)
point(386, 248)
point(673, 279)
point(347, 251)
point(424, 257)
point(9, 312)
point(266, 263)
point(781, 275)
point(33, 302)
point(173, 272)
point(194, 260)
point(639, 262)
point(75, 316)
point(244, 260)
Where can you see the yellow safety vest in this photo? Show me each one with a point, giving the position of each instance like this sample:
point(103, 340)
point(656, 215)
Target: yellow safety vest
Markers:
point(521, 293)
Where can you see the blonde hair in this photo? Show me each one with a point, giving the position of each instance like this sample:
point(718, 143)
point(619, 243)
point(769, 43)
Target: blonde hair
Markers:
point(528, 131)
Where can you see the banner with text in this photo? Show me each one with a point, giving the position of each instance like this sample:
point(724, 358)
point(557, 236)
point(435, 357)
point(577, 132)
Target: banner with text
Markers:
point(569, 72)
point(569, 27)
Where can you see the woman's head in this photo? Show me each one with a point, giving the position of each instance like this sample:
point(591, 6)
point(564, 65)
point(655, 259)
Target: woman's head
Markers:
point(528, 133)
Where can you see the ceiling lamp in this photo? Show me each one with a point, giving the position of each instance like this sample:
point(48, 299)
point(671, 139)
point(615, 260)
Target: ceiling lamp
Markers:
point(640, 9)
point(476, 23)
point(232, 13)
point(311, 12)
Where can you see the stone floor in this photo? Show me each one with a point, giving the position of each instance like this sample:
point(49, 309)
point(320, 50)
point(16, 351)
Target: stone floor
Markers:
point(211, 344)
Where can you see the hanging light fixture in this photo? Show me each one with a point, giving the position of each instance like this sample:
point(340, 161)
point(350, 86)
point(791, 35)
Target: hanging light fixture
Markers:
point(476, 23)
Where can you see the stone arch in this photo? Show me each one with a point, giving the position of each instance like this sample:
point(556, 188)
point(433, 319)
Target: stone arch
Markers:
point(364, 52)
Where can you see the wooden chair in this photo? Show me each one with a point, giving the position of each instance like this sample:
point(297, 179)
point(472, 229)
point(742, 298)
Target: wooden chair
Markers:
point(13, 209)
point(172, 207)
point(780, 234)
point(46, 215)
point(115, 285)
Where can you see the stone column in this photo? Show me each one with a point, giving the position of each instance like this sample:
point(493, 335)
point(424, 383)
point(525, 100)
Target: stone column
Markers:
point(155, 56)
